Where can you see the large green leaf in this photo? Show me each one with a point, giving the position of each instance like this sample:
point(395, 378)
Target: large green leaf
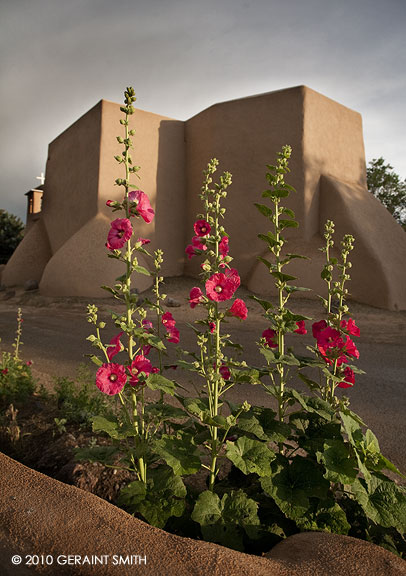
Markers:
point(102, 454)
point(382, 501)
point(340, 465)
point(327, 516)
point(225, 521)
point(293, 485)
point(179, 453)
point(159, 382)
point(162, 497)
point(250, 456)
point(111, 428)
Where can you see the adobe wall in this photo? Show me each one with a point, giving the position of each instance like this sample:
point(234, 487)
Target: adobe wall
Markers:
point(244, 135)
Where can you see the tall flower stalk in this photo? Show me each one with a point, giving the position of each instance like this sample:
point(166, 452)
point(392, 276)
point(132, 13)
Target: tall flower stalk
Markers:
point(281, 319)
point(221, 282)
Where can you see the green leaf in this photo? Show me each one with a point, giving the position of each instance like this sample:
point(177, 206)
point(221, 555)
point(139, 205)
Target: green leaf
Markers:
point(288, 224)
point(265, 210)
point(112, 428)
point(280, 193)
point(164, 411)
point(384, 503)
point(248, 423)
point(282, 277)
point(163, 497)
point(225, 521)
point(268, 264)
point(340, 465)
point(96, 360)
point(159, 382)
point(294, 485)
point(269, 238)
point(141, 270)
point(327, 516)
point(264, 303)
point(250, 456)
point(102, 454)
point(179, 453)
point(289, 212)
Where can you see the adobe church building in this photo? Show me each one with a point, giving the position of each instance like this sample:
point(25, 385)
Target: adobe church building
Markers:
point(64, 248)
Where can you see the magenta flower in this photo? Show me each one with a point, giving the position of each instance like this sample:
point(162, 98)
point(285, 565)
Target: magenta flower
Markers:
point(238, 309)
point(143, 205)
point(349, 378)
point(232, 275)
point(190, 251)
point(114, 346)
point(140, 365)
point(168, 320)
point(350, 348)
point(317, 327)
point(220, 288)
point(195, 297)
point(202, 228)
point(173, 335)
point(143, 241)
point(119, 233)
point(301, 327)
point(351, 327)
point(212, 327)
point(147, 325)
point(271, 338)
point(4, 371)
point(223, 247)
point(169, 323)
point(111, 378)
point(225, 372)
point(110, 203)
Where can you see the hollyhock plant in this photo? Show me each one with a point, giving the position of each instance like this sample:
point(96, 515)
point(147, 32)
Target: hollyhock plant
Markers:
point(137, 335)
point(119, 233)
point(143, 205)
point(349, 378)
point(223, 247)
point(111, 378)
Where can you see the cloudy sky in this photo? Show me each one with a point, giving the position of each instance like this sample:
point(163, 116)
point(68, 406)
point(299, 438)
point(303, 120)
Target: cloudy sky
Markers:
point(58, 58)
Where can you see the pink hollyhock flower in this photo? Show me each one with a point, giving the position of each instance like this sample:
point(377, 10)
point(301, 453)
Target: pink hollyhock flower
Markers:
point(119, 233)
point(232, 275)
point(154, 370)
point(168, 320)
point(110, 203)
point(350, 348)
point(351, 327)
point(301, 327)
point(238, 309)
point(4, 371)
point(114, 346)
point(111, 378)
point(223, 247)
point(317, 327)
point(220, 288)
point(212, 327)
point(270, 337)
point(140, 365)
point(195, 297)
point(143, 205)
point(225, 372)
point(29, 363)
point(349, 378)
point(143, 241)
point(197, 243)
point(146, 349)
point(173, 335)
point(202, 228)
point(147, 325)
point(190, 251)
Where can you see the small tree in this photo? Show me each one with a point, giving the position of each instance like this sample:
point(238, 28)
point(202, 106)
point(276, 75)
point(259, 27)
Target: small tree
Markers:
point(388, 187)
point(11, 234)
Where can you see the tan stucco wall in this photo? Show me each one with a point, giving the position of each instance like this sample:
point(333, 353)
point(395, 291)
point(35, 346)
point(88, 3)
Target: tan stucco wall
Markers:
point(72, 178)
point(244, 135)
point(30, 257)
